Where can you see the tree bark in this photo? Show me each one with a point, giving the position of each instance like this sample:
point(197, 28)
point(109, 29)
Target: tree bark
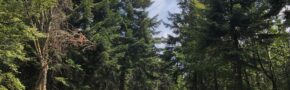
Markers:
point(288, 80)
point(43, 76)
point(237, 63)
point(247, 80)
point(216, 85)
point(238, 76)
point(122, 79)
point(274, 85)
point(236, 57)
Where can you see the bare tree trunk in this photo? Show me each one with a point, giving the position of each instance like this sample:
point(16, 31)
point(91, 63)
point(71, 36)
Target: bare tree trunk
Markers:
point(44, 83)
point(41, 85)
point(43, 25)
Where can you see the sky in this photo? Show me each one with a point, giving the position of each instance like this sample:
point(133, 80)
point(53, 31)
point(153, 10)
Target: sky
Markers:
point(162, 8)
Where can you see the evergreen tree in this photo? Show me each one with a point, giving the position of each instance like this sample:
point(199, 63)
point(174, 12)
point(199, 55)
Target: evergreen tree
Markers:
point(214, 38)
point(109, 45)
point(139, 63)
point(13, 34)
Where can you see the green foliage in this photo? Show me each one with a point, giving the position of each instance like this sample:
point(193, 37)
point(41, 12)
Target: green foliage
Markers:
point(14, 35)
point(9, 82)
point(33, 34)
point(62, 80)
point(220, 45)
point(36, 7)
point(198, 4)
point(225, 44)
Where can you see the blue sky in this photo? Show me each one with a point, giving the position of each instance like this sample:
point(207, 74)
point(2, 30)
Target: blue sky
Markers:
point(161, 8)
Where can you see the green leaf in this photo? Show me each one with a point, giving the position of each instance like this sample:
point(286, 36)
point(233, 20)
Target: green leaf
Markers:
point(62, 80)
point(198, 4)
point(33, 34)
point(10, 82)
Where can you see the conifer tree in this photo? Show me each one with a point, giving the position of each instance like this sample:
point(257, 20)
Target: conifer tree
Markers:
point(139, 62)
point(214, 35)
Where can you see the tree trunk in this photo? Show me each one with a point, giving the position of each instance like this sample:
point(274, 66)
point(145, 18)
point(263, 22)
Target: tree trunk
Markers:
point(122, 79)
point(238, 76)
point(42, 78)
point(237, 59)
point(288, 81)
point(273, 80)
point(287, 75)
point(216, 85)
point(247, 80)
point(274, 84)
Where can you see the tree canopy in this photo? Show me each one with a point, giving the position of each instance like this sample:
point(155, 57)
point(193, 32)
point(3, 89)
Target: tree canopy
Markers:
point(111, 45)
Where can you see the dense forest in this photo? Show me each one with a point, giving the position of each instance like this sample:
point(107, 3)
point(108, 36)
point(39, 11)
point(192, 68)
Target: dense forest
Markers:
point(111, 45)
